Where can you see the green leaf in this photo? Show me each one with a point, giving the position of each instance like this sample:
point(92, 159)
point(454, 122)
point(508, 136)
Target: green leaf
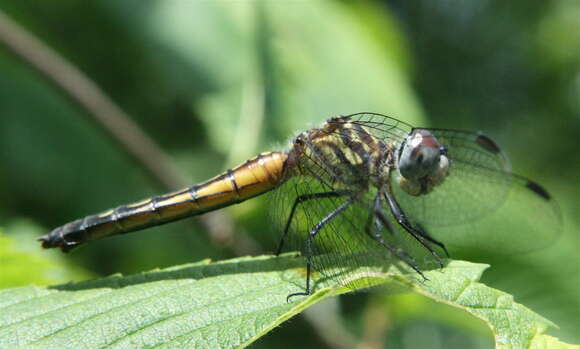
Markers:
point(20, 265)
point(273, 64)
point(513, 325)
point(227, 304)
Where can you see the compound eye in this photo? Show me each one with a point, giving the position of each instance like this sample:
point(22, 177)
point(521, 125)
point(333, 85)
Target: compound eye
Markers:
point(419, 156)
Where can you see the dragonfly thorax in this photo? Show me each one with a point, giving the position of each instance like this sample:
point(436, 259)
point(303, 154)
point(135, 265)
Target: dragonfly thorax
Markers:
point(422, 163)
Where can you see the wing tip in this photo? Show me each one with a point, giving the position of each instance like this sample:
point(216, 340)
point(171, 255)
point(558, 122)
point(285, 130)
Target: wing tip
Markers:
point(487, 143)
point(538, 189)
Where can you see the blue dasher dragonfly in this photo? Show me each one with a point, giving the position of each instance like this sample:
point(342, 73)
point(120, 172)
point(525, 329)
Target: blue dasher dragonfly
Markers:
point(360, 189)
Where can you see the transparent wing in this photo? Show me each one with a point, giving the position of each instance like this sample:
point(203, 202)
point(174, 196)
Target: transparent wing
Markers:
point(479, 178)
point(527, 219)
point(332, 171)
point(343, 245)
point(380, 127)
point(481, 204)
point(478, 182)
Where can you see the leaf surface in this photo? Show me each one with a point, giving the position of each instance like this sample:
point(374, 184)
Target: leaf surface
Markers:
point(228, 304)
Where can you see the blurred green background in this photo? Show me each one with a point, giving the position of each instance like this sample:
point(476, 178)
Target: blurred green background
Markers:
point(216, 82)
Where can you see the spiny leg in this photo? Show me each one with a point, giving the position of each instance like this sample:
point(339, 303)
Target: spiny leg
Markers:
point(423, 232)
point(379, 214)
point(372, 217)
point(427, 236)
point(419, 236)
point(300, 199)
point(310, 241)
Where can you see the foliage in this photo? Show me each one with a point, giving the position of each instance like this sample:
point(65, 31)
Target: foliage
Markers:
point(19, 267)
point(227, 304)
point(214, 82)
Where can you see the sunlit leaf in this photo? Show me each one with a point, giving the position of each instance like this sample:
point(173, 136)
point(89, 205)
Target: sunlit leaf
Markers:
point(19, 267)
point(227, 304)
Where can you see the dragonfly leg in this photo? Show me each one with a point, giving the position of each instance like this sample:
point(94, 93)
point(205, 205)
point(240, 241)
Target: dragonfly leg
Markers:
point(419, 230)
point(378, 221)
point(373, 220)
point(418, 235)
point(398, 252)
point(381, 220)
point(427, 236)
point(310, 242)
point(300, 199)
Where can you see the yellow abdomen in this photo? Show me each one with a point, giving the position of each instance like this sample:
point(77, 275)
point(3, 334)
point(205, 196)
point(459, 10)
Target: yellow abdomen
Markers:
point(254, 177)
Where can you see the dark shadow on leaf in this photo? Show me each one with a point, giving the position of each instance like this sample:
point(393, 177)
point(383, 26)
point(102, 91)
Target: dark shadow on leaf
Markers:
point(246, 265)
point(195, 271)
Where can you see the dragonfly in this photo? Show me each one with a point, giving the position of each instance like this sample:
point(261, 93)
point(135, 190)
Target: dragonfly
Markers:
point(362, 189)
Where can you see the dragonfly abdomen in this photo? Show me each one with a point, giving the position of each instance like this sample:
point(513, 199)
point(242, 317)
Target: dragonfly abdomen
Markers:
point(254, 177)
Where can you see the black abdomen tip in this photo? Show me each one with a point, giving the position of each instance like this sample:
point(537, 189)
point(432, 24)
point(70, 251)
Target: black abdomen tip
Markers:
point(45, 241)
point(55, 239)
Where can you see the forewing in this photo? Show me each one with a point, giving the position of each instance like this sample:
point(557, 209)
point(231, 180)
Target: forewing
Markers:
point(479, 178)
point(477, 184)
point(481, 204)
point(380, 127)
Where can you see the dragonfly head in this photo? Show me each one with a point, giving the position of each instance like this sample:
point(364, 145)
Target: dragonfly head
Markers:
point(422, 163)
